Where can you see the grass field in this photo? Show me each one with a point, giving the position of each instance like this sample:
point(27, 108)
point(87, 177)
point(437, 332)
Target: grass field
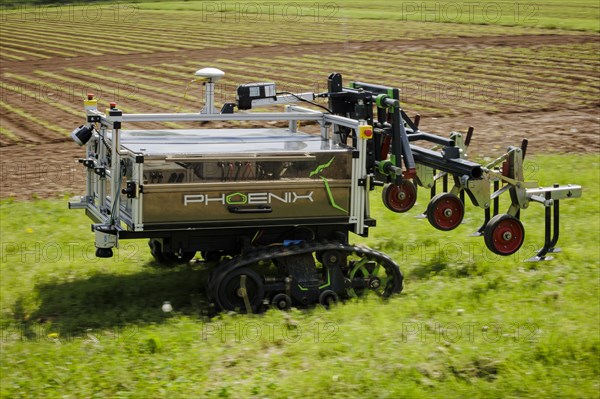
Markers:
point(549, 14)
point(469, 324)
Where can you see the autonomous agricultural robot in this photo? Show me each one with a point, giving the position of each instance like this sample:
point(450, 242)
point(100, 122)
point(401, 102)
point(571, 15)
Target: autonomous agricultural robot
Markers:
point(273, 207)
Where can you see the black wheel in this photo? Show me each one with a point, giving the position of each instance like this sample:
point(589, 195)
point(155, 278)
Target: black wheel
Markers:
point(380, 277)
point(504, 234)
point(156, 251)
point(328, 298)
point(240, 289)
point(168, 258)
point(445, 211)
point(282, 301)
point(399, 198)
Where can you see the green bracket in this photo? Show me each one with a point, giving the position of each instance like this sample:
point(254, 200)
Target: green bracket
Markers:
point(382, 165)
point(380, 99)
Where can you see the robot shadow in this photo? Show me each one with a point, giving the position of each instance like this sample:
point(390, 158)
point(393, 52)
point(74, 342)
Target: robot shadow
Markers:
point(108, 301)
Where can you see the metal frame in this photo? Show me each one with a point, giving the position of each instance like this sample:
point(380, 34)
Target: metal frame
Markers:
point(98, 201)
point(352, 110)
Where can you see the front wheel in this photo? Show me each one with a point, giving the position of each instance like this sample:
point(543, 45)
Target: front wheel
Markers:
point(242, 290)
point(380, 276)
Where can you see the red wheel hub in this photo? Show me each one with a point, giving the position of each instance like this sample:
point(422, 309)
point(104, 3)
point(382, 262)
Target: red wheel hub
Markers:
point(508, 236)
point(448, 212)
point(400, 198)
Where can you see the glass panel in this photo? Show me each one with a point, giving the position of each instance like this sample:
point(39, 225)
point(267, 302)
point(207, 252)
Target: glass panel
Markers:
point(331, 166)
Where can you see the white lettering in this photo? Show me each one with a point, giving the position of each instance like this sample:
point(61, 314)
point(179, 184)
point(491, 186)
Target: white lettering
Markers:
point(284, 199)
point(253, 198)
point(307, 196)
point(258, 198)
point(190, 199)
point(220, 199)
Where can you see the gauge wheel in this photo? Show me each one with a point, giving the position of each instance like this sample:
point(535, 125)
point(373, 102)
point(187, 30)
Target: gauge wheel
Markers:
point(399, 198)
point(445, 211)
point(504, 234)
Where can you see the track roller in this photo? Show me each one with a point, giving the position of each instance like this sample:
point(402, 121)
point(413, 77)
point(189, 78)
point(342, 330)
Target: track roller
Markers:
point(504, 234)
point(328, 298)
point(445, 211)
point(282, 301)
point(399, 198)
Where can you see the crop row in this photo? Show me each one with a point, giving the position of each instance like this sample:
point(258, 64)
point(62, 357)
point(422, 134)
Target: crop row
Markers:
point(449, 71)
point(189, 32)
point(423, 73)
point(435, 81)
point(43, 124)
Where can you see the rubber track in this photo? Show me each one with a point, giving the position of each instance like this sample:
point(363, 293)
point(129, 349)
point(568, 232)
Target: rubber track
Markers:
point(280, 251)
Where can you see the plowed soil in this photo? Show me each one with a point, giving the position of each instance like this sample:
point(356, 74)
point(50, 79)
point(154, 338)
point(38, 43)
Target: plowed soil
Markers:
point(46, 165)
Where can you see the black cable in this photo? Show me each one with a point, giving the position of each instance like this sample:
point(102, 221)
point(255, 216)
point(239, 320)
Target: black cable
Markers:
point(306, 101)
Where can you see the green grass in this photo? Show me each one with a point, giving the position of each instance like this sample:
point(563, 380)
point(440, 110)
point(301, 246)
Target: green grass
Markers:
point(581, 15)
point(468, 324)
point(552, 14)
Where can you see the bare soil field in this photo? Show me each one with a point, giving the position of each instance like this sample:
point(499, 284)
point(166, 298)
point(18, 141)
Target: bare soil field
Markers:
point(544, 87)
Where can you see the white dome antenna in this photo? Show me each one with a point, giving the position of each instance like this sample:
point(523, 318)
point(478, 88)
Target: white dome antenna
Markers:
point(209, 76)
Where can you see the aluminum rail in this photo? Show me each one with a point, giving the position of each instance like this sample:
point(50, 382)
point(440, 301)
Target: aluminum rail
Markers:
point(255, 116)
point(342, 121)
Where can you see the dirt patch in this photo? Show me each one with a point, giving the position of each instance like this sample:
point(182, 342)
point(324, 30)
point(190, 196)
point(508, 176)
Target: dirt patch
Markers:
point(561, 131)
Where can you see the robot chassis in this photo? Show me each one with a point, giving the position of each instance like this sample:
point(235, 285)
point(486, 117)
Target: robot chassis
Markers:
point(273, 207)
